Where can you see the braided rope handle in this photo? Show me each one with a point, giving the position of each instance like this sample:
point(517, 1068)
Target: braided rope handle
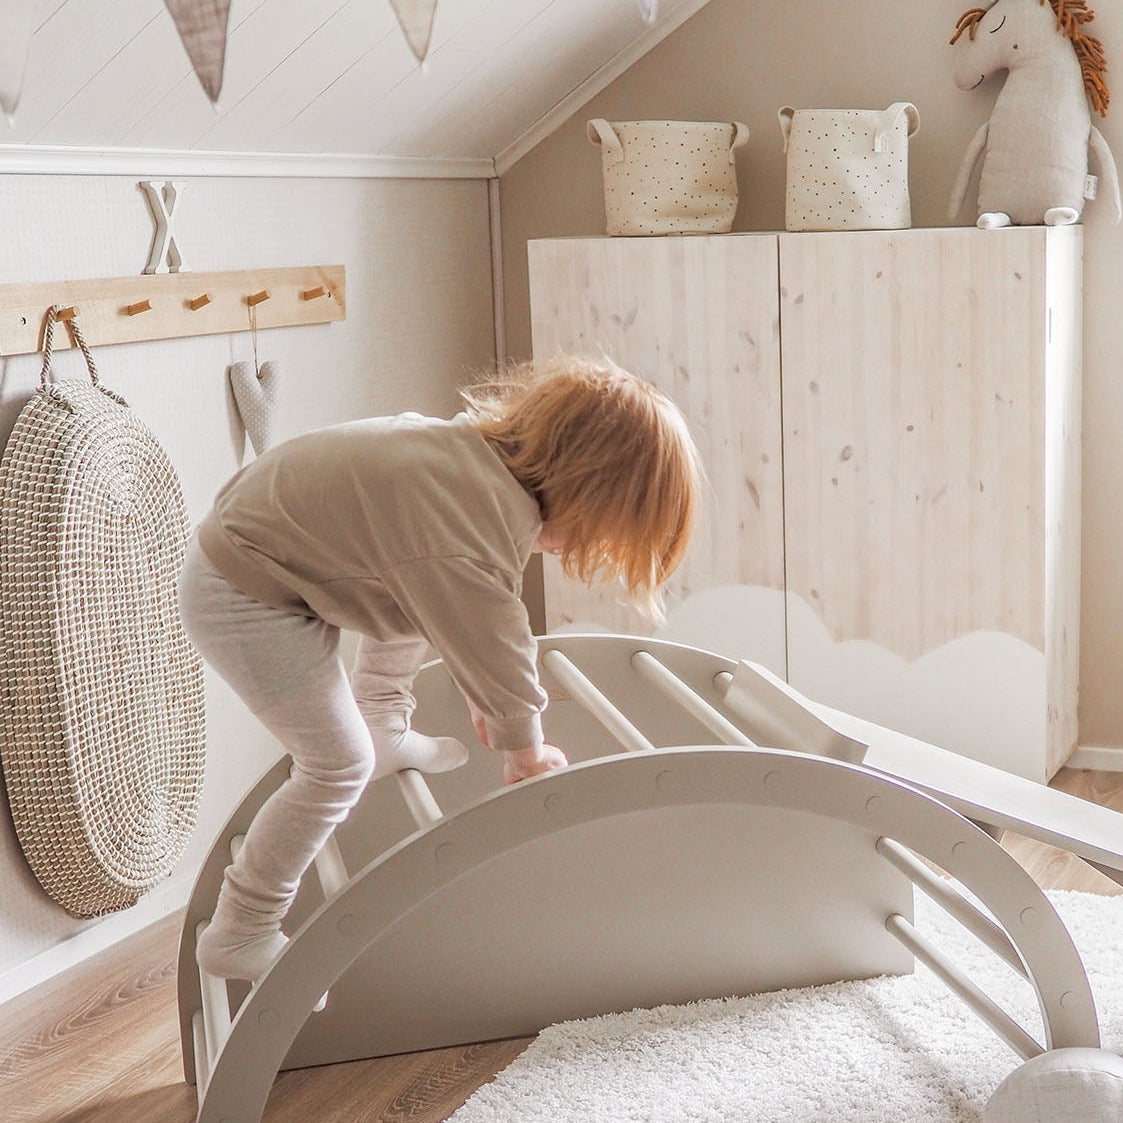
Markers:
point(47, 386)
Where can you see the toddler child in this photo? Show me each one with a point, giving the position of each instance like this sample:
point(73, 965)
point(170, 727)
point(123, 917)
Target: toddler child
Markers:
point(413, 531)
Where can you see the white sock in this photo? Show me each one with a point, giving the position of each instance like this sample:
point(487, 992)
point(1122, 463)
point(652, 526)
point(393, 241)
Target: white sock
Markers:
point(229, 954)
point(396, 748)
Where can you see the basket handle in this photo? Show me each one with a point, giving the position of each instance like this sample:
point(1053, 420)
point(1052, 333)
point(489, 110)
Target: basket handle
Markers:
point(48, 350)
point(889, 121)
point(602, 134)
point(740, 137)
point(785, 115)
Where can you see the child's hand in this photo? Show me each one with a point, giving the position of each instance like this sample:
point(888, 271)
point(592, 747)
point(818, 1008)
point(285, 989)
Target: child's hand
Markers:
point(481, 729)
point(478, 724)
point(521, 764)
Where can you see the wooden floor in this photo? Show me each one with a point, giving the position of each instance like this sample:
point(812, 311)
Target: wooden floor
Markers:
point(100, 1044)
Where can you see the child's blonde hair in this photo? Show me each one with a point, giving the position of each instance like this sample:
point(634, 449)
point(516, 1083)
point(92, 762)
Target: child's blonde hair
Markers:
point(609, 458)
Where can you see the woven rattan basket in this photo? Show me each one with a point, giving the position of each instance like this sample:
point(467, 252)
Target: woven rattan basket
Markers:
point(101, 711)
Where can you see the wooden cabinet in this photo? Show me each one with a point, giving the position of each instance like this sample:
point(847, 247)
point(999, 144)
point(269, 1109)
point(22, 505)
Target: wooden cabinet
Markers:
point(698, 317)
point(891, 422)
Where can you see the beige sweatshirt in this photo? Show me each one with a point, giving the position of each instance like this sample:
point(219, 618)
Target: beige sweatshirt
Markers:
point(396, 527)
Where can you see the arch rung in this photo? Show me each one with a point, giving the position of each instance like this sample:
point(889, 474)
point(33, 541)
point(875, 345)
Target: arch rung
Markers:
point(418, 797)
point(199, 1047)
point(779, 717)
point(216, 1008)
point(671, 686)
point(947, 972)
point(590, 697)
point(952, 902)
point(332, 873)
point(330, 868)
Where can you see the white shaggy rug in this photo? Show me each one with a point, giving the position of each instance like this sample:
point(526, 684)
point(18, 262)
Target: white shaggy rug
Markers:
point(897, 1050)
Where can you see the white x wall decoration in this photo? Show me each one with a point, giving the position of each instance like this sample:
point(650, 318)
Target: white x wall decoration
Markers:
point(163, 198)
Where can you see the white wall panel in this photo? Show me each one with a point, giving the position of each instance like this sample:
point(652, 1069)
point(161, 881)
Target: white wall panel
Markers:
point(255, 46)
point(413, 101)
point(521, 82)
point(419, 321)
point(68, 50)
point(301, 77)
point(327, 122)
point(108, 106)
point(330, 76)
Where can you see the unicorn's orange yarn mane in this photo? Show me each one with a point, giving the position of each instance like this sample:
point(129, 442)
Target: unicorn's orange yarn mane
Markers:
point(1071, 17)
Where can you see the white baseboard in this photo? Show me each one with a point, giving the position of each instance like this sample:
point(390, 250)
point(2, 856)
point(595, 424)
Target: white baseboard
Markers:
point(1096, 758)
point(161, 902)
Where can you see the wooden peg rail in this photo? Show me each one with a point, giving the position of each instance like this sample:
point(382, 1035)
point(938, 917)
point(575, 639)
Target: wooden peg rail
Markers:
point(172, 305)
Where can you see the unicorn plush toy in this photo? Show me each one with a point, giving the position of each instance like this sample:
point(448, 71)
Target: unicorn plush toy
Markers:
point(1035, 146)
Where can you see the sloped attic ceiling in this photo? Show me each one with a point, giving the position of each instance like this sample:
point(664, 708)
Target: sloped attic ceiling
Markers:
point(320, 77)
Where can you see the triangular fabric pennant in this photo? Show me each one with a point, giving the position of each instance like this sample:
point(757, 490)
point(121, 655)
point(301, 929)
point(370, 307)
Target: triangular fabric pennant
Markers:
point(650, 9)
point(16, 24)
point(416, 20)
point(202, 27)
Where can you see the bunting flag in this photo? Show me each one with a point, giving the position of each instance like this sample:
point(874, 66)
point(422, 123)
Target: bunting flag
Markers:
point(416, 20)
point(202, 27)
point(16, 24)
point(650, 9)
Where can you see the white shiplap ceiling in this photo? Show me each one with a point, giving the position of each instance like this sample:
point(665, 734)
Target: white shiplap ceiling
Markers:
point(325, 78)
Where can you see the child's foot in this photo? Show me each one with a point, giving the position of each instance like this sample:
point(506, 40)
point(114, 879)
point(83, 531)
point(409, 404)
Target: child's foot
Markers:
point(396, 749)
point(231, 956)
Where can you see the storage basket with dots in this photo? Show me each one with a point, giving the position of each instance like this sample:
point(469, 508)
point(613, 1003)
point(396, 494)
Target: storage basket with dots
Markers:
point(848, 169)
point(668, 177)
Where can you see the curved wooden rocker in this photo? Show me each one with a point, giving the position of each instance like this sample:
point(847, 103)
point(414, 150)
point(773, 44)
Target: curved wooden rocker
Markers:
point(736, 846)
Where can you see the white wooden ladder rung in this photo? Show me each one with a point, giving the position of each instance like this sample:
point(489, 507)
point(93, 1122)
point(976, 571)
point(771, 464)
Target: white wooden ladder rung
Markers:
point(418, 797)
point(210, 1026)
point(949, 974)
point(210, 1037)
point(199, 1047)
point(778, 717)
point(589, 696)
point(953, 902)
point(672, 687)
point(330, 868)
point(332, 873)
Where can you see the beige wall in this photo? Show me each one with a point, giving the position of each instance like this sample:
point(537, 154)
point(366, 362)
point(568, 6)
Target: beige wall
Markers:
point(743, 59)
point(419, 320)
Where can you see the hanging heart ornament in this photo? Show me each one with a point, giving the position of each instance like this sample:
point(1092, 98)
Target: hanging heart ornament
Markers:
point(256, 394)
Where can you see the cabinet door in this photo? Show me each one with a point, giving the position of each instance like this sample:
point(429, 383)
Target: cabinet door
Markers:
point(931, 449)
point(697, 316)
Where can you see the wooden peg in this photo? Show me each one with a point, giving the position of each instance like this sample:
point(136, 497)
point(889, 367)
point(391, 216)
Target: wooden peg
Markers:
point(258, 297)
point(313, 294)
point(199, 302)
point(67, 313)
point(140, 306)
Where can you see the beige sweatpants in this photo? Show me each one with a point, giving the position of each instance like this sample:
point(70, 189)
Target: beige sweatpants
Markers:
point(287, 669)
